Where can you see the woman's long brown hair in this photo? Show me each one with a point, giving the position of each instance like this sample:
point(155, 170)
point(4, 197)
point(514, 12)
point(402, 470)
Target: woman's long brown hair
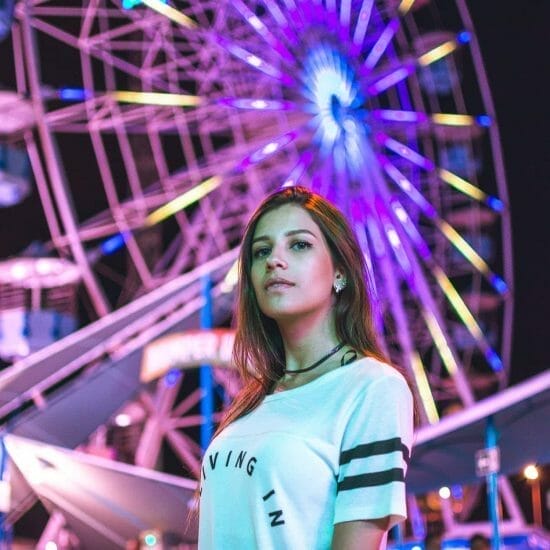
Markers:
point(258, 352)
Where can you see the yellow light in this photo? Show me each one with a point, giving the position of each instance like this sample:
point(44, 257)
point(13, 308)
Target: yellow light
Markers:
point(440, 342)
point(171, 13)
point(462, 185)
point(183, 201)
point(445, 493)
point(424, 388)
point(437, 53)
point(465, 249)
point(405, 6)
point(458, 304)
point(154, 98)
point(531, 472)
point(453, 120)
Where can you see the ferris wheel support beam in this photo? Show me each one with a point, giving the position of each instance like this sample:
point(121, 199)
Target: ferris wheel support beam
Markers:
point(59, 187)
point(500, 173)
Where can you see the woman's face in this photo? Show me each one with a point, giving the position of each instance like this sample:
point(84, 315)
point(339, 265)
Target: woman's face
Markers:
point(292, 270)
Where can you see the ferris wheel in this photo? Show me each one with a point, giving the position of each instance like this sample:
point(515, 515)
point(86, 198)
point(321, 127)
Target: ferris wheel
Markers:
point(161, 125)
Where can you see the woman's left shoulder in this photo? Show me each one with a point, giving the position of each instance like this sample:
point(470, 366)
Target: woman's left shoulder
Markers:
point(372, 370)
point(372, 377)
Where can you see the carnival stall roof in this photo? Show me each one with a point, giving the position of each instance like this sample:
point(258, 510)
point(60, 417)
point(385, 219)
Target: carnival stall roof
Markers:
point(105, 503)
point(444, 453)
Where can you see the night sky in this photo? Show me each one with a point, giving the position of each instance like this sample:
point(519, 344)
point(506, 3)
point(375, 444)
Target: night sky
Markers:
point(514, 43)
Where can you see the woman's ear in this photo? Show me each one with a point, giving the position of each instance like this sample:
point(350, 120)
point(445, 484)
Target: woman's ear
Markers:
point(340, 281)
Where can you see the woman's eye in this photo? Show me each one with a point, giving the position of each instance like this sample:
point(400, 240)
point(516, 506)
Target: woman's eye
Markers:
point(260, 252)
point(301, 245)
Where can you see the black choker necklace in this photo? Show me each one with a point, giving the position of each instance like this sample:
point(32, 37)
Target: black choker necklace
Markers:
point(320, 362)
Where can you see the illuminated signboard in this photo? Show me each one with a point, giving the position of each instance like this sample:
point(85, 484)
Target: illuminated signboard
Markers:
point(187, 349)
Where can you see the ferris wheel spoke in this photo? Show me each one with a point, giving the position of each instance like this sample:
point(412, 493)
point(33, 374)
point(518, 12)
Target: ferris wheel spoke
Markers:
point(420, 289)
point(467, 318)
point(299, 169)
point(362, 24)
point(404, 151)
point(394, 299)
point(186, 449)
point(254, 61)
point(381, 44)
point(262, 30)
point(345, 13)
point(276, 13)
point(401, 69)
point(258, 104)
point(452, 235)
point(445, 284)
point(458, 183)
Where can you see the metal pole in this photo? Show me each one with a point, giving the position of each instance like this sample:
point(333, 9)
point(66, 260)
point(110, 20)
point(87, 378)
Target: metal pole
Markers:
point(491, 437)
point(536, 502)
point(5, 530)
point(205, 371)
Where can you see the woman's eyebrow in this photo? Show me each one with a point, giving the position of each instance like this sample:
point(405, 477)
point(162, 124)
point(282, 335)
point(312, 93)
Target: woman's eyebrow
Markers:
point(287, 234)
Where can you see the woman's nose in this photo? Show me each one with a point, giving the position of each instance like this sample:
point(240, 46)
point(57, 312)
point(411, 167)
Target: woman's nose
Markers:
point(275, 261)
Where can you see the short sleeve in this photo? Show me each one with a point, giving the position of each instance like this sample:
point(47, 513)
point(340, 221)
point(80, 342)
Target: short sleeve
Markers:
point(375, 452)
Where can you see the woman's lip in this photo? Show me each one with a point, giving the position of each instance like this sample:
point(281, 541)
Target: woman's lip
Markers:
point(278, 284)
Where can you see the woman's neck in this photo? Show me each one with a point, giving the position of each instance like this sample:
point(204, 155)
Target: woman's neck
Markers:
point(306, 342)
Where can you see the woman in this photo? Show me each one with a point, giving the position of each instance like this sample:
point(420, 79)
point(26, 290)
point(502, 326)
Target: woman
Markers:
point(312, 454)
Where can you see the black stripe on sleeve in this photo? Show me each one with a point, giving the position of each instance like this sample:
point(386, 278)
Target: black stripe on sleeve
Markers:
point(371, 480)
point(382, 447)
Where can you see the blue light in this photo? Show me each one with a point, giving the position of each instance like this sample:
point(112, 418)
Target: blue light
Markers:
point(129, 4)
point(499, 285)
point(494, 360)
point(150, 539)
point(73, 94)
point(332, 87)
point(457, 492)
point(495, 204)
point(464, 37)
point(113, 244)
point(484, 120)
point(172, 376)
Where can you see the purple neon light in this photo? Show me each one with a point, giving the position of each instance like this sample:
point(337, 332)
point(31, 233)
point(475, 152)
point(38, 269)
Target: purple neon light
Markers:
point(392, 237)
point(410, 228)
point(407, 187)
point(345, 13)
point(299, 169)
point(362, 23)
point(405, 152)
point(257, 104)
point(276, 12)
point(267, 150)
point(381, 44)
point(390, 79)
point(255, 61)
point(394, 115)
point(376, 237)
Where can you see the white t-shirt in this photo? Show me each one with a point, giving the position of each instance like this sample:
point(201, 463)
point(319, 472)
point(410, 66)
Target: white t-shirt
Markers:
point(333, 450)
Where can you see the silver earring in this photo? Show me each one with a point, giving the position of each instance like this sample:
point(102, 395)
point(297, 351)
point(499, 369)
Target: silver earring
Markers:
point(339, 284)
